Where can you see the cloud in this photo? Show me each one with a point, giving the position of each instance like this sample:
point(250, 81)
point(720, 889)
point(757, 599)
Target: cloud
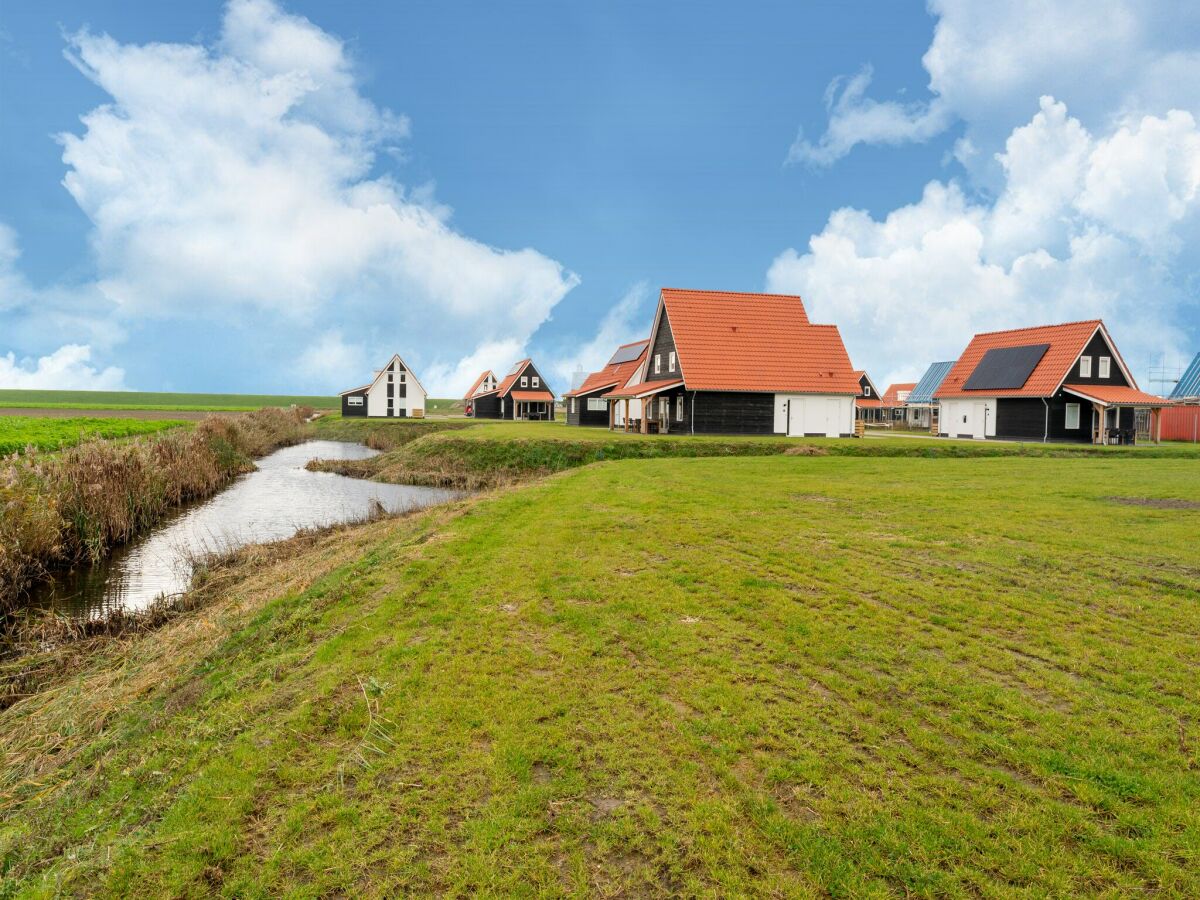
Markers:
point(67, 368)
point(857, 119)
point(988, 63)
point(1084, 226)
point(240, 183)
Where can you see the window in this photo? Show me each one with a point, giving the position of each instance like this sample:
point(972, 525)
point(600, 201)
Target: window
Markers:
point(679, 408)
point(1073, 415)
point(671, 361)
point(657, 363)
point(524, 381)
point(354, 401)
point(597, 404)
point(401, 378)
point(1105, 366)
point(867, 391)
point(572, 405)
point(537, 382)
point(501, 406)
point(1085, 367)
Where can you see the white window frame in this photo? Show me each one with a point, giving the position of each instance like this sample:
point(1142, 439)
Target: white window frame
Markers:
point(354, 401)
point(501, 406)
point(1085, 367)
point(867, 391)
point(597, 404)
point(537, 382)
point(524, 381)
point(1104, 366)
point(572, 406)
point(1072, 408)
point(671, 361)
point(657, 363)
point(679, 408)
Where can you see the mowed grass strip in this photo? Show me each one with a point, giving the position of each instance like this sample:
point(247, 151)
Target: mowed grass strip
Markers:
point(156, 400)
point(784, 675)
point(19, 432)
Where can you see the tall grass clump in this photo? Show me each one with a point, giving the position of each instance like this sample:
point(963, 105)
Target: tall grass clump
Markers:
point(75, 505)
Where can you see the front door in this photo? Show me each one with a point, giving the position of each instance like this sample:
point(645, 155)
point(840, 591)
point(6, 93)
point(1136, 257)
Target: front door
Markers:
point(979, 421)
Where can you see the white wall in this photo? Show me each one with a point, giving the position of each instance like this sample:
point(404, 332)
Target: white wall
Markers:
point(979, 416)
point(809, 412)
point(377, 396)
point(635, 411)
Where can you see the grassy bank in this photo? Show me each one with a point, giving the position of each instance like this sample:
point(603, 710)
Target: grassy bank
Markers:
point(489, 454)
point(155, 400)
point(76, 504)
point(18, 433)
point(779, 675)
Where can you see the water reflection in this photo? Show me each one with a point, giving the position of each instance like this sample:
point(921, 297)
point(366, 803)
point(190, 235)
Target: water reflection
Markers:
point(272, 503)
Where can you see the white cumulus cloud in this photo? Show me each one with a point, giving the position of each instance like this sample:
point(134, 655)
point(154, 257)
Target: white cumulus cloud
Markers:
point(1083, 227)
point(240, 182)
point(67, 368)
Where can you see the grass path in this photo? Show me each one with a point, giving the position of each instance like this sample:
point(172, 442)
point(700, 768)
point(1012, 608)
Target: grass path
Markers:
point(778, 675)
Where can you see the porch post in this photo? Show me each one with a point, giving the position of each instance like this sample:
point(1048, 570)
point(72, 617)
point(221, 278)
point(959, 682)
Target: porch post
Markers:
point(1157, 425)
point(627, 415)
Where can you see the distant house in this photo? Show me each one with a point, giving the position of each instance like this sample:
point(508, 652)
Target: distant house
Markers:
point(895, 402)
point(737, 363)
point(523, 394)
point(484, 384)
point(922, 407)
point(394, 392)
point(1050, 383)
point(586, 404)
point(869, 402)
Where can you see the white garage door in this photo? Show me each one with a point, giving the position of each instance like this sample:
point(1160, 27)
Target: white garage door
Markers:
point(815, 415)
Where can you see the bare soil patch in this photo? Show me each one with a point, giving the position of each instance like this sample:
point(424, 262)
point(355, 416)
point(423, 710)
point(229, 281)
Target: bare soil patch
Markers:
point(1156, 502)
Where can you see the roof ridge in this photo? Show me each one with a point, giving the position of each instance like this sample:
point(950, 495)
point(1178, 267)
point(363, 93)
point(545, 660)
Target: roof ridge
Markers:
point(1040, 327)
point(731, 293)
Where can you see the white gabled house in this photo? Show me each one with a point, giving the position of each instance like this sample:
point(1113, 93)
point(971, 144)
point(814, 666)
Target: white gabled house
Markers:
point(395, 393)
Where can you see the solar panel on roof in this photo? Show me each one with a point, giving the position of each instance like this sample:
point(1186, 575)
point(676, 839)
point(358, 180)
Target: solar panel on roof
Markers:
point(930, 382)
point(628, 354)
point(1189, 383)
point(1005, 368)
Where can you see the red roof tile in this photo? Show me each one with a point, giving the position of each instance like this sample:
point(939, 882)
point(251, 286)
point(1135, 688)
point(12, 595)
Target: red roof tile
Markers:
point(891, 397)
point(532, 395)
point(510, 380)
point(613, 374)
point(1066, 343)
point(755, 342)
point(868, 402)
point(641, 389)
point(1116, 395)
point(478, 381)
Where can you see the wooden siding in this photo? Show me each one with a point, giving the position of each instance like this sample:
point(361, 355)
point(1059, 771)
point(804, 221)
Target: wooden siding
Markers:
point(487, 407)
point(664, 345)
point(349, 411)
point(1024, 418)
point(1096, 348)
point(583, 415)
point(732, 412)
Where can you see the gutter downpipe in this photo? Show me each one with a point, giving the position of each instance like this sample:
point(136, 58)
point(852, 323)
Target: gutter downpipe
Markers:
point(692, 423)
point(1046, 433)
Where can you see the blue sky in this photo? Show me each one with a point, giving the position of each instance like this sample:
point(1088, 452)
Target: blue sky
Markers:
point(273, 197)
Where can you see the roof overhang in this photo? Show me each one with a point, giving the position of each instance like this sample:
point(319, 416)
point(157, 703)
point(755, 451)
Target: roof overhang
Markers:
point(646, 389)
point(1129, 397)
point(598, 388)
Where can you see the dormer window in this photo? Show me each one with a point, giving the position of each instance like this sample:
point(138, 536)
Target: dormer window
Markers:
point(671, 361)
point(1085, 367)
point(524, 381)
point(657, 363)
point(1105, 366)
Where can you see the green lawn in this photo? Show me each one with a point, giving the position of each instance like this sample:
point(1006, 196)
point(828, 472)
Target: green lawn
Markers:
point(149, 400)
point(19, 432)
point(782, 676)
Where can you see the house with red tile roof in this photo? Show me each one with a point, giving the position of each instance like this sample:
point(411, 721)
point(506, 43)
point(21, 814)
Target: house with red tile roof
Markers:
point(1049, 383)
point(895, 402)
point(586, 404)
point(722, 362)
point(521, 394)
point(484, 384)
point(868, 404)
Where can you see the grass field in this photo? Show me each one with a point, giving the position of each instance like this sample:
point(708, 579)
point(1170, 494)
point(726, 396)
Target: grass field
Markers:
point(19, 432)
point(782, 676)
point(147, 400)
